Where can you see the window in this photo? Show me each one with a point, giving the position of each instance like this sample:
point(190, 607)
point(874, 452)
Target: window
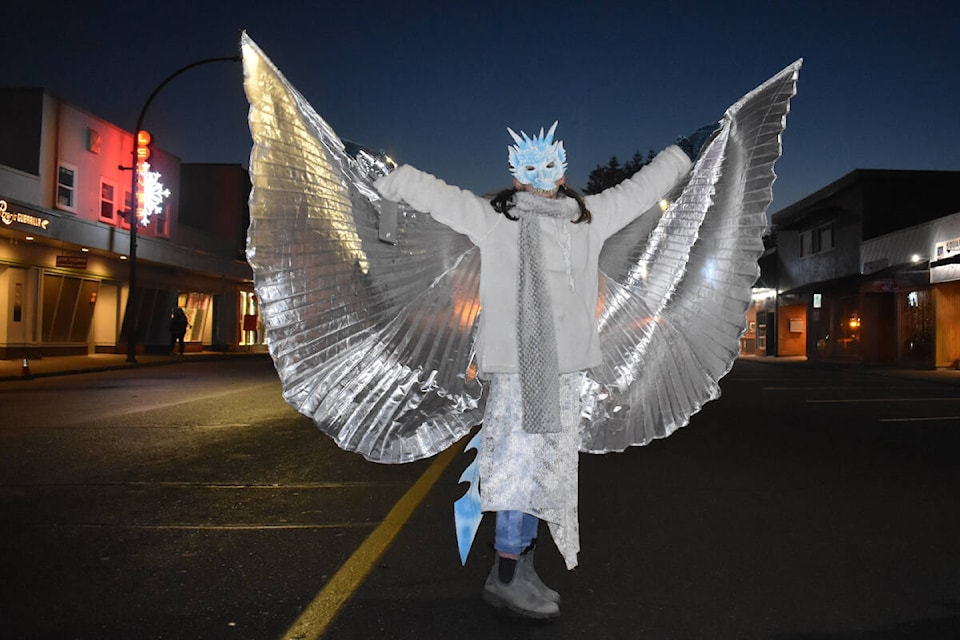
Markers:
point(917, 337)
point(826, 237)
point(107, 201)
point(93, 141)
point(197, 307)
point(848, 327)
point(805, 249)
point(127, 212)
point(66, 187)
point(251, 328)
point(814, 241)
point(163, 229)
point(68, 304)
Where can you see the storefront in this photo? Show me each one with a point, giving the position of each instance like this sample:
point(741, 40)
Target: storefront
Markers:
point(52, 293)
point(59, 297)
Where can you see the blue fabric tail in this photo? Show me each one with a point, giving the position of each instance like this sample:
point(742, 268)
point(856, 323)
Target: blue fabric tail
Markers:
point(466, 510)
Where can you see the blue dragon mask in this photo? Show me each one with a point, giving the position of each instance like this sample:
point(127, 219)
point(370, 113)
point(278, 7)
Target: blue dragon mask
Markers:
point(539, 161)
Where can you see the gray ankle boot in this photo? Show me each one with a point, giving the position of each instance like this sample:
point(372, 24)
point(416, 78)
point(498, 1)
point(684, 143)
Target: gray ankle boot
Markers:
point(516, 593)
point(528, 573)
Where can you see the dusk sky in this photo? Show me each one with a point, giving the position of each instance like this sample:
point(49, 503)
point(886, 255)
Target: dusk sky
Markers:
point(435, 84)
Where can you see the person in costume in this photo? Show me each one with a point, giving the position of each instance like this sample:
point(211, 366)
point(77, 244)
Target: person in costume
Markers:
point(540, 245)
point(371, 310)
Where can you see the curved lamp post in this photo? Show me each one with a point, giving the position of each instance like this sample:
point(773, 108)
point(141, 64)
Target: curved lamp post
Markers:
point(130, 314)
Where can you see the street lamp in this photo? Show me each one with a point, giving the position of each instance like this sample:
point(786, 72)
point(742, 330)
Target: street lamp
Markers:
point(130, 315)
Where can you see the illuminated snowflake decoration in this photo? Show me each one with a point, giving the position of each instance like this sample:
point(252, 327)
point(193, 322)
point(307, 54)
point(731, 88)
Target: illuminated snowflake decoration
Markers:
point(152, 193)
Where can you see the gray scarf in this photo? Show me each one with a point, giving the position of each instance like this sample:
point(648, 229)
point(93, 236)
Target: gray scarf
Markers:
point(536, 338)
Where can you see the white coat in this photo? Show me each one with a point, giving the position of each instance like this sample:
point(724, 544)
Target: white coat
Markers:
point(573, 285)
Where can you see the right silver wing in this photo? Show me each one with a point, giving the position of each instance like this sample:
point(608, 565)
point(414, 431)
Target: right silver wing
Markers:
point(677, 286)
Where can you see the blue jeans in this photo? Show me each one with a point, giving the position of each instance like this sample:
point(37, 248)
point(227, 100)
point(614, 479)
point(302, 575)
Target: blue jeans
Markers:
point(515, 531)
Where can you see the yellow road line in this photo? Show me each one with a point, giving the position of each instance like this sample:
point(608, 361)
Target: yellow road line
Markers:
point(318, 615)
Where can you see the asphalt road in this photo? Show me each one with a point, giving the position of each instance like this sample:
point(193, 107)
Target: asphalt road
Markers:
point(190, 502)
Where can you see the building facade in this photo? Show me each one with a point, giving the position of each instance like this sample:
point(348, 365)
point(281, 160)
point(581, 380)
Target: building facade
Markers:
point(858, 278)
point(65, 200)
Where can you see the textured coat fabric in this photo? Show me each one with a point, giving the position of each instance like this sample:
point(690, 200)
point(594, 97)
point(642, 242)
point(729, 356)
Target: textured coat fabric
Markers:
point(573, 307)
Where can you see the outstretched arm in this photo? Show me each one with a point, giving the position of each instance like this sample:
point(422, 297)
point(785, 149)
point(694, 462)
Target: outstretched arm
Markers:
point(616, 207)
point(457, 208)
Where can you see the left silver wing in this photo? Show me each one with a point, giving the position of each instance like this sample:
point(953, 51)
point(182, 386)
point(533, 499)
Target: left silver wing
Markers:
point(373, 340)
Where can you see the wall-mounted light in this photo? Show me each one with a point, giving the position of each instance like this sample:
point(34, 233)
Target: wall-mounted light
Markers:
point(915, 258)
point(28, 238)
point(84, 249)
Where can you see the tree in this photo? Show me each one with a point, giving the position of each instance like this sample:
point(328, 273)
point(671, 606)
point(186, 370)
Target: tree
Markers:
point(613, 173)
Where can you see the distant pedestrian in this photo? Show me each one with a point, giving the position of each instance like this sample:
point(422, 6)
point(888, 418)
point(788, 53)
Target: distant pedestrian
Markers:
point(178, 328)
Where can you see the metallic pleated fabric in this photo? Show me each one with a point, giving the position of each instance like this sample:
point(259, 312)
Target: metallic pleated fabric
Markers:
point(677, 286)
point(374, 340)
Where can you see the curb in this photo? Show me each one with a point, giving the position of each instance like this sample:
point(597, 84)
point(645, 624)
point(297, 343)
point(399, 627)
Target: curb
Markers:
point(201, 357)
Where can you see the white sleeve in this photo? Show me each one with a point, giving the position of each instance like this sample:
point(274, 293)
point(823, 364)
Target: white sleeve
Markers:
point(461, 210)
point(618, 206)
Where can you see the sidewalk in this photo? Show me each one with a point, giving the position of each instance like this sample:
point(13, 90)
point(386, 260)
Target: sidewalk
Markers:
point(65, 365)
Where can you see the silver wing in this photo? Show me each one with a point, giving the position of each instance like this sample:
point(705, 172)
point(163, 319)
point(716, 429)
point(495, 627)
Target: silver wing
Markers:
point(373, 340)
point(677, 285)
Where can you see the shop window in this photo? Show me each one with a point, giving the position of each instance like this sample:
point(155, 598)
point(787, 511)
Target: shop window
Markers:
point(18, 302)
point(68, 304)
point(108, 205)
point(251, 330)
point(822, 327)
point(197, 308)
point(66, 187)
point(837, 328)
point(848, 327)
point(916, 325)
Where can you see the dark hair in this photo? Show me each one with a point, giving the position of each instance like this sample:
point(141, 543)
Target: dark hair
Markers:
point(503, 202)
